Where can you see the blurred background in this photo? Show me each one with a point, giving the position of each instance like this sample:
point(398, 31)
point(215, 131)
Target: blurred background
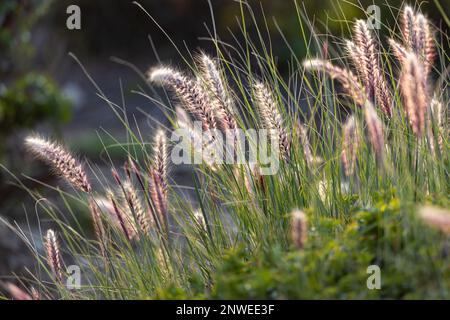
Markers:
point(43, 89)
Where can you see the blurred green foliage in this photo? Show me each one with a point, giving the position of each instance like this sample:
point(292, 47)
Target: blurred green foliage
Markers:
point(17, 18)
point(27, 96)
point(30, 99)
point(333, 265)
point(336, 267)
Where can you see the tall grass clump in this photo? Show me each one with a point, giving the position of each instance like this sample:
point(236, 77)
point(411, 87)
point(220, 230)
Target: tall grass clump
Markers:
point(362, 179)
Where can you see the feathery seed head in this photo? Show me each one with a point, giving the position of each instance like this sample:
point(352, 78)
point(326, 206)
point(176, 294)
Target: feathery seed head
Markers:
point(190, 92)
point(53, 254)
point(347, 79)
point(159, 198)
point(271, 116)
point(16, 292)
point(164, 75)
point(418, 37)
point(135, 205)
point(365, 58)
point(122, 217)
point(398, 50)
point(437, 113)
point(216, 87)
point(414, 91)
point(437, 218)
point(408, 30)
point(60, 160)
point(200, 219)
point(160, 158)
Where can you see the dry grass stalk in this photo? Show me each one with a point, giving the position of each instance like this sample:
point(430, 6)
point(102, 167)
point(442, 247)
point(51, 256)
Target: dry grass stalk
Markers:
point(54, 259)
point(220, 99)
point(60, 160)
point(271, 117)
point(414, 91)
point(190, 92)
point(299, 228)
point(375, 130)
point(347, 79)
point(350, 146)
point(437, 218)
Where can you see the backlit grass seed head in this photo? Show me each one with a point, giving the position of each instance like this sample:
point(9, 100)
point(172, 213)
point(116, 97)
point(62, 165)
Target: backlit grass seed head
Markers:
point(375, 131)
point(418, 37)
point(323, 189)
point(407, 27)
point(271, 116)
point(430, 48)
point(17, 293)
point(414, 92)
point(399, 51)
point(158, 197)
point(160, 158)
point(220, 98)
point(135, 205)
point(347, 79)
point(54, 259)
point(121, 217)
point(437, 218)
point(350, 146)
point(299, 228)
point(425, 41)
point(355, 54)
point(200, 219)
point(196, 143)
point(104, 204)
point(190, 93)
point(35, 295)
point(365, 58)
point(437, 113)
point(60, 160)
